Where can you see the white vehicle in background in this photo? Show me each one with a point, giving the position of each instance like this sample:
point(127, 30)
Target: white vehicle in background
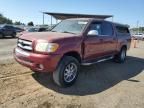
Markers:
point(139, 36)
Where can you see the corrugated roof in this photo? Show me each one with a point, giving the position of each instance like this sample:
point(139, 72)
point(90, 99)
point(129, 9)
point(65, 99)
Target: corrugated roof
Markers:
point(62, 16)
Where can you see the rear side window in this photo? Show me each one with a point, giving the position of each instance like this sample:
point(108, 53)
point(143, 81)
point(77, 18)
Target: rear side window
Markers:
point(107, 29)
point(121, 29)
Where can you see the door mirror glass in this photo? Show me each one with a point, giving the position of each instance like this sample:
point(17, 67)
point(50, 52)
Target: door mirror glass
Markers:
point(93, 32)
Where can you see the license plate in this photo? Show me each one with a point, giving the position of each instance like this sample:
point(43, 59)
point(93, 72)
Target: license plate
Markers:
point(20, 52)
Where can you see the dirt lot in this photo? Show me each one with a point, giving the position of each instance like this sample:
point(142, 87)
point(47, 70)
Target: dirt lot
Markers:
point(6, 48)
point(103, 85)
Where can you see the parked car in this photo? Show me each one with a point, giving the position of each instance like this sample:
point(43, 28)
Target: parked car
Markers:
point(7, 30)
point(32, 29)
point(18, 30)
point(73, 42)
point(139, 36)
point(36, 29)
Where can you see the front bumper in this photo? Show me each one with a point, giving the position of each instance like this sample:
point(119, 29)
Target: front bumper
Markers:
point(37, 62)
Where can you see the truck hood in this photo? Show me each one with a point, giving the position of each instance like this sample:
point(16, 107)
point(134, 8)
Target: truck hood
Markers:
point(49, 36)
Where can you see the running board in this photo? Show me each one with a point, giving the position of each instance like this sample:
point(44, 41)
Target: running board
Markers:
point(102, 60)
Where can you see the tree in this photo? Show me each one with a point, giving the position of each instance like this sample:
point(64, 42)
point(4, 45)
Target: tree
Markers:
point(30, 24)
point(136, 30)
point(4, 20)
point(18, 23)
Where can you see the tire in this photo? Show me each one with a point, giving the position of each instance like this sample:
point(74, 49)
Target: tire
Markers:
point(64, 76)
point(1, 35)
point(121, 56)
point(14, 35)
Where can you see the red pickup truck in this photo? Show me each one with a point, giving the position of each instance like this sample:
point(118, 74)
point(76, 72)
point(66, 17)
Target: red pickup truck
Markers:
point(71, 43)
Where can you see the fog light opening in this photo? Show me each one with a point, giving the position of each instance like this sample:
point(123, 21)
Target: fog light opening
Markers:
point(41, 66)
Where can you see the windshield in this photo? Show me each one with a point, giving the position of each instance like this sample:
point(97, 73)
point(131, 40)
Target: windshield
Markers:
point(1, 26)
point(70, 26)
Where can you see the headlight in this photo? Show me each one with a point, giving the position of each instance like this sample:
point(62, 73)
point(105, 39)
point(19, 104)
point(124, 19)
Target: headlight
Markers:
point(46, 47)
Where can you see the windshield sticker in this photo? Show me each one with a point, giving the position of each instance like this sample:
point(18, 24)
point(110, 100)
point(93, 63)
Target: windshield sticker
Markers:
point(82, 22)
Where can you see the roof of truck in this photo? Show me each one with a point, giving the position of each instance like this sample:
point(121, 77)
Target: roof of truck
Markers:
point(119, 24)
point(115, 23)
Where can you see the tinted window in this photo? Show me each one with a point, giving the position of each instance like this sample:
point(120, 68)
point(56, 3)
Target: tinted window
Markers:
point(96, 26)
point(42, 29)
point(5, 26)
point(107, 29)
point(9, 27)
point(121, 29)
point(103, 28)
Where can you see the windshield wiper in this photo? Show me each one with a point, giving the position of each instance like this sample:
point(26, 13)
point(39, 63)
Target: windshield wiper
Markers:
point(68, 32)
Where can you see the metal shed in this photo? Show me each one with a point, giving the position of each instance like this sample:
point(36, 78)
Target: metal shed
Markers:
point(63, 16)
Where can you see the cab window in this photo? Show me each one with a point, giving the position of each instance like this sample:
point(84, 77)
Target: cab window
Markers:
point(96, 26)
point(103, 28)
point(121, 29)
point(107, 29)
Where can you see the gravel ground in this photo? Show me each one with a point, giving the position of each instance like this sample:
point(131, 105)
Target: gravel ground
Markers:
point(103, 85)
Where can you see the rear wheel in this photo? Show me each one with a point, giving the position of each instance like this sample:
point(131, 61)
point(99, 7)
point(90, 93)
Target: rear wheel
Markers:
point(66, 72)
point(14, 35)
point(1, 35)
point(121, 56)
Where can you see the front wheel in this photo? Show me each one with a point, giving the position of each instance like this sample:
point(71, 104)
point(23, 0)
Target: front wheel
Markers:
point(66, 72)
point(14, 35)
point(121, 56)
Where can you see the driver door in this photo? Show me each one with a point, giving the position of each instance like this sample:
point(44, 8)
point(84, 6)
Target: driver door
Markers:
point(93, 44)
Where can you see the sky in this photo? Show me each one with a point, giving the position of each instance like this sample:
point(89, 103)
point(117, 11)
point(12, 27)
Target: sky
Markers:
point(124, 11)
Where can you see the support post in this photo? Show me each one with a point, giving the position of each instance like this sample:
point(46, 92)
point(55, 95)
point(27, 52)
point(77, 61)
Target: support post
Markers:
point(56, 21)
point(112, 19)
point(51, 22)
point(43, 18)
point(137, 27)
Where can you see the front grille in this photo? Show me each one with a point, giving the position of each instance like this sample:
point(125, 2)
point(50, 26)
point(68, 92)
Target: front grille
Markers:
point(24, 44)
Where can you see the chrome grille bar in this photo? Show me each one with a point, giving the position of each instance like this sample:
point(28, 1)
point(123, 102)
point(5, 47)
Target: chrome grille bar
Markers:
point(24, 44)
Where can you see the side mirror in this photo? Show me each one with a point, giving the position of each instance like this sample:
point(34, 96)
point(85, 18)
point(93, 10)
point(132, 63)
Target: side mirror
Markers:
point(93, 32)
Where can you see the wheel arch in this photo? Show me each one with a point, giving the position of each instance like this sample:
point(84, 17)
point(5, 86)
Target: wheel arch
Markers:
point(123, 46)
point(73, 54)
